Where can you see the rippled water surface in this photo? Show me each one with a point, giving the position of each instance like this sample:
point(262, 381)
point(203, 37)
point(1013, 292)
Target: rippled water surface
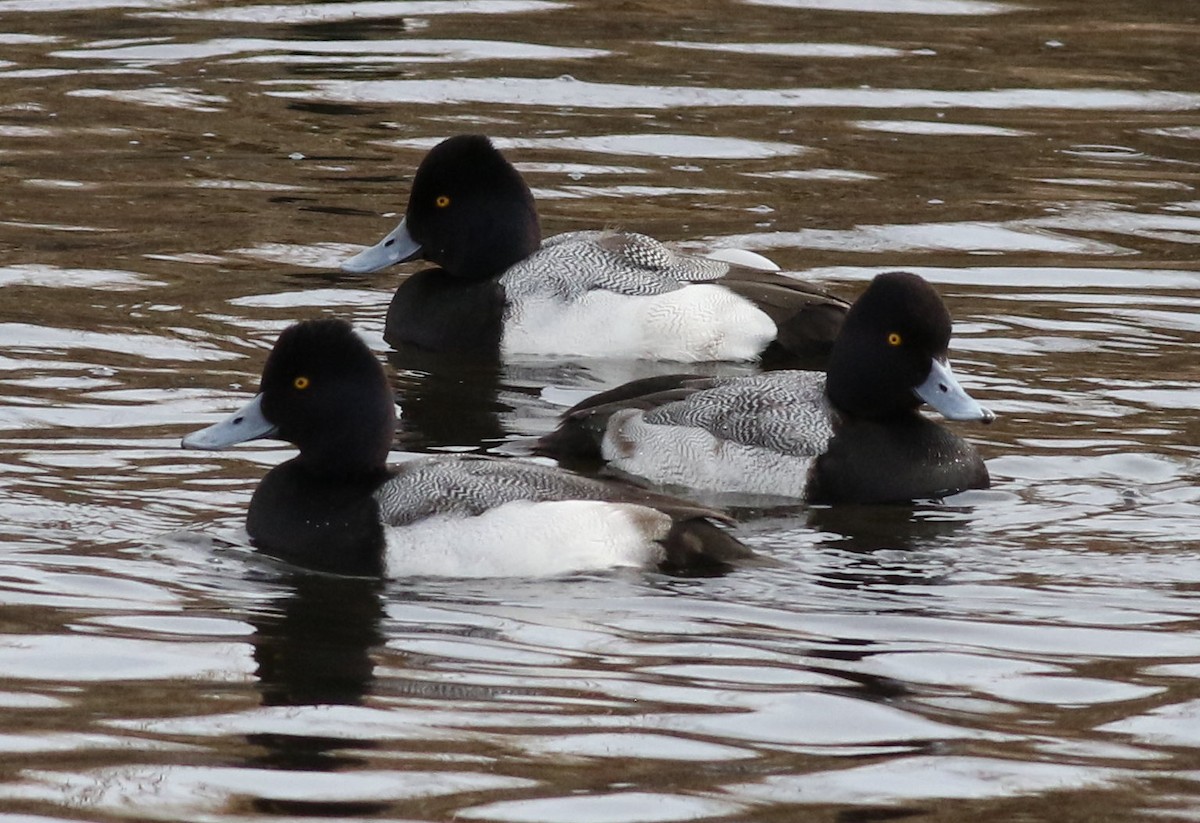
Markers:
point(178, 179)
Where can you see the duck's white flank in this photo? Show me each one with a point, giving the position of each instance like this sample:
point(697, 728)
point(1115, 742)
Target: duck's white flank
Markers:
point(527, 539)
point(691, 324)
point(691, 456)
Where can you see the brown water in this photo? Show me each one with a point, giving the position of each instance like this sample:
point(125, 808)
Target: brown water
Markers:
point(178, 179)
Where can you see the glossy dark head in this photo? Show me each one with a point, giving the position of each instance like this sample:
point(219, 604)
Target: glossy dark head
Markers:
point(469, 209)
point(325, 392)
point(891, 354)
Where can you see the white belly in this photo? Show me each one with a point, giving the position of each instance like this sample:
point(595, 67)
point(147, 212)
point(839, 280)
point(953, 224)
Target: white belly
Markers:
point(527, 539)
point(694, 323)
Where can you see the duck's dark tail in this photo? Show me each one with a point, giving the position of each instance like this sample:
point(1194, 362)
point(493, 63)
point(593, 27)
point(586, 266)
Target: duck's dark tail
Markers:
point(696, 543)
point(576, 441)
point(808, 318)
point(699, 547)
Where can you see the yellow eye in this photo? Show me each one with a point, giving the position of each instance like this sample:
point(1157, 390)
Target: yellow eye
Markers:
point(300, 382)
point(894, 339)
point(442, 201)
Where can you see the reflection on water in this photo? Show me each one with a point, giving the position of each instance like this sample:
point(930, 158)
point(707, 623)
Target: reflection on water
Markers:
point(316, 648)
point(181, 178)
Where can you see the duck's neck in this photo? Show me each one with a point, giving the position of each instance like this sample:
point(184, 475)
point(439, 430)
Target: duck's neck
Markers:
point(438, 313)
point(866, 401)
point(341, 449)
point(893, 461)
point(317, 521)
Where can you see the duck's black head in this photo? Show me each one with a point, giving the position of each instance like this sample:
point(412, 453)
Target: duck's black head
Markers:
point(891, 354)
point(470, 210)
point(325, 392)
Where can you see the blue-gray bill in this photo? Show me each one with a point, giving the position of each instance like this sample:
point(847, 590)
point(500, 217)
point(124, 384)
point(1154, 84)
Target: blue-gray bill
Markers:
point(942, 391)
point(247, 423)
point(397, 247)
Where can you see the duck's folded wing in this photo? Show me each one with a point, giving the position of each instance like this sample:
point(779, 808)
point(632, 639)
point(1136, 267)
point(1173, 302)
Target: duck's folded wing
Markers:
point(784, 412)
point(570, 265)
point(467, 485)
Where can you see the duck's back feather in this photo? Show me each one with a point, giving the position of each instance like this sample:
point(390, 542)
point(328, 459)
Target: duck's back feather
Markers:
point(784, 411)
point(755, 434)
point(572, 264)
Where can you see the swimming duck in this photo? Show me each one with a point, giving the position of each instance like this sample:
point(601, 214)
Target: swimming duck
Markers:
point(497, 286)
point(338, 507)
point(852, 434)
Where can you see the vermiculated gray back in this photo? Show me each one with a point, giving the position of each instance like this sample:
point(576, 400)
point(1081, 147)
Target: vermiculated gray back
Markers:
point(785, 411)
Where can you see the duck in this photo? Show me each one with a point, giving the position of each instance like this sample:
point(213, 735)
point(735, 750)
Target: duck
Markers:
point(852, 434)
point(338, 507)
point(496, 286)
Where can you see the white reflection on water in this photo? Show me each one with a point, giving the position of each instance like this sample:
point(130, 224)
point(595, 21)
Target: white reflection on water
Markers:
point(567, 91)
point(588, 192)
point(1013, 282)
point(1032, 235)
point(1184, 132)
point(53, 226)
point(10, 39)
point(835, 50)
point(1110, 184)
point(317, 298)
point(28, 336)
point(938, 128)
point(317, 255)
point(935, 7)
point(1175, 725)
point(1176, 228)
point(88, 657)
point(642, 145)
point(613, 807)
point(367, 9)
point(265, 51)
point(632, 745)
point(182, 792)
point(8, 6)
point(24, 131)
point(910, 778)
point(160, 97)
point(36, 274)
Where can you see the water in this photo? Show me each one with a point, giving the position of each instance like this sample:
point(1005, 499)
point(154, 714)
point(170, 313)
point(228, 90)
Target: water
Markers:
point(179, 179)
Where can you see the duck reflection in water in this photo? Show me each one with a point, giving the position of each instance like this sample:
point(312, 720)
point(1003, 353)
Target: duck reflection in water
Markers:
point(476, 402)
point(891, 546)
point(450, 399)
point(315, 647)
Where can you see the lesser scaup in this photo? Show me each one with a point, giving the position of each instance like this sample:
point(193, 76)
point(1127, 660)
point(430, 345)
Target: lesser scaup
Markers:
point(338, 507)
point(587, 293)
point(852, 434)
